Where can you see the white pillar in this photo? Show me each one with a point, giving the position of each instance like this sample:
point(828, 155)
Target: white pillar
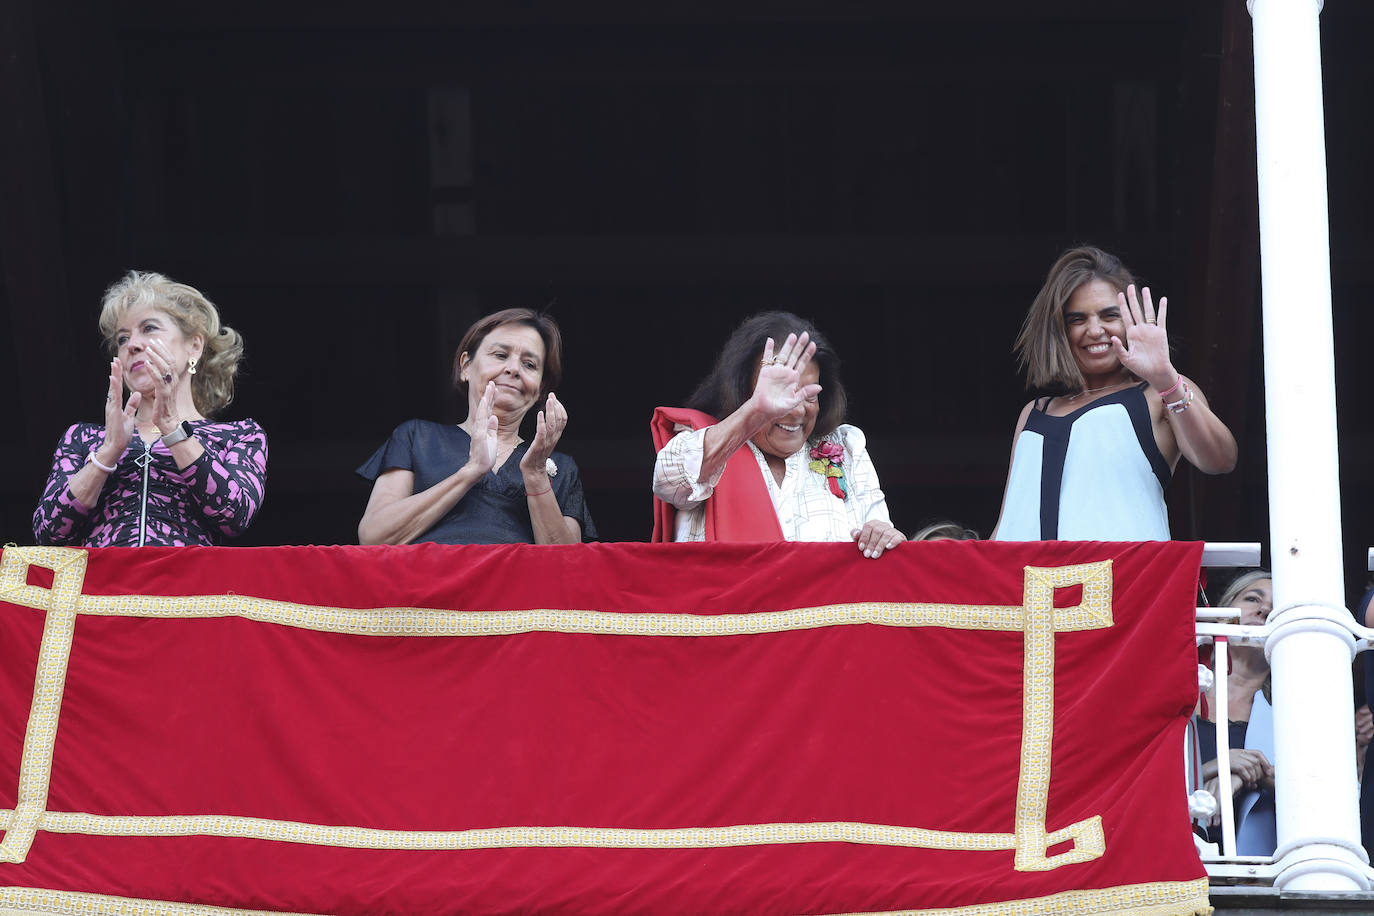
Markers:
point(1310, 648)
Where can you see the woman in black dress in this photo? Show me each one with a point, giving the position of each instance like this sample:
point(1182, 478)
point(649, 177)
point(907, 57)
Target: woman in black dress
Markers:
point(479, 482)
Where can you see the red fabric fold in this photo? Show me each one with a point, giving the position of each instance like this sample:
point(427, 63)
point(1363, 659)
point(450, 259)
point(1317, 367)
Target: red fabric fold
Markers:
point(740, 510)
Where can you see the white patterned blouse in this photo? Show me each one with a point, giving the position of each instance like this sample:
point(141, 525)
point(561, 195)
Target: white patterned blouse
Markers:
point(807, 508)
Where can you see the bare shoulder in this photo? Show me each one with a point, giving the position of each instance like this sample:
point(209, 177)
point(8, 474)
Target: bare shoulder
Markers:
point(1021, 420)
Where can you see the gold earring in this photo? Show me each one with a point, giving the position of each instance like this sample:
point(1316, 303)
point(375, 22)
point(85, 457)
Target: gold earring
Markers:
point(191, 365)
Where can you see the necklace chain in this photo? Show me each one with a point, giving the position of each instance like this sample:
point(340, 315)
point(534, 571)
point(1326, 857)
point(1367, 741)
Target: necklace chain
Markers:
point(501, 447)
point(1087, 391)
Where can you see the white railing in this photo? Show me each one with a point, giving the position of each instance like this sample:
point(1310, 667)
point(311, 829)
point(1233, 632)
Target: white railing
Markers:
point(1221, 628)
point(1218, 626)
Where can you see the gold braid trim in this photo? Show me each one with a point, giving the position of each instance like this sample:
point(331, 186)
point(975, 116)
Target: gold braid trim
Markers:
point(50, 681)
point(1037, 618)
point(255, 828)
point(1160, 898)
point(1157, 898)
point(410, 621)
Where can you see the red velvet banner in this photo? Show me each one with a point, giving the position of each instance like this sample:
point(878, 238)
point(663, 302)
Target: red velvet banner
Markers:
point(603, 728)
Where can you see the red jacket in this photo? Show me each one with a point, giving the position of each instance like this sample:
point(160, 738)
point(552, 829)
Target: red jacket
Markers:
point(739, 510)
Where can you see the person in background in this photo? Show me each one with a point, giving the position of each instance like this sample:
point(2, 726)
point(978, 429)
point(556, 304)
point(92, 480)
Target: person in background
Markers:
point(1091, 461)
point(1363, 726)
point(481, 482)
point(945, 530)
point(158, 470)
point(762, 451)
point(1248, 691)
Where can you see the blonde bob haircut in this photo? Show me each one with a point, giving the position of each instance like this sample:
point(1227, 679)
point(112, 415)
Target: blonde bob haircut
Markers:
point(212, 386)
point(1042, 347)
point(1240, 584)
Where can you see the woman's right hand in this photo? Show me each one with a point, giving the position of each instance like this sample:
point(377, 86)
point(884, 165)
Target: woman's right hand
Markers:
point(1253, 768)
point(485, 445)
point(778, 390)
point(119, 421)
point(1250, 769)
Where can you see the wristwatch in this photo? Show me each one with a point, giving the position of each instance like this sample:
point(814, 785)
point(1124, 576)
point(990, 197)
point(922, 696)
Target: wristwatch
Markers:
point(180, 434)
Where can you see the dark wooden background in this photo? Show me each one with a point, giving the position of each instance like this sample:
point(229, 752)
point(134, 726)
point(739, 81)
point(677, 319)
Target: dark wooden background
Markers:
point(353, 183)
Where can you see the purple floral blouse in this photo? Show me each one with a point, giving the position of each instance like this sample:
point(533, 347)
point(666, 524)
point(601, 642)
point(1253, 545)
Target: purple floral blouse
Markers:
point(147, 500)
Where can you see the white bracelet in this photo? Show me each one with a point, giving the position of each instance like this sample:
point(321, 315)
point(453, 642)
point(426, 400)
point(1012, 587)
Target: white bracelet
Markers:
point(1182, 403)
point(107, 468)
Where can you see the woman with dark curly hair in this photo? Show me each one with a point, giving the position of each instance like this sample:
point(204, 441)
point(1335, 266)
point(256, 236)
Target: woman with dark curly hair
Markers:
point(158, 471)
point(780, 463)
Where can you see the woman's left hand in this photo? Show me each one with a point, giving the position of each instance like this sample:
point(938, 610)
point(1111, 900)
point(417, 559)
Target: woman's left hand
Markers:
point(875, 537)
point(164, 386)
point(1146, 352)
point(549, 424)
point(1213, 785)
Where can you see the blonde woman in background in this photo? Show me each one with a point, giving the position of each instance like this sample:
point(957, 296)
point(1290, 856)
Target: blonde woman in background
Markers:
point(158, 470)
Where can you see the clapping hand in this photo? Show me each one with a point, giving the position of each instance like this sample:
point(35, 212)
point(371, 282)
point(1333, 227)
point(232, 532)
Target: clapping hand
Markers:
point(549, 425)
point(120, 422)
point(158, 360)
point(778, 390)
point(485, 444)
point(1146, 353)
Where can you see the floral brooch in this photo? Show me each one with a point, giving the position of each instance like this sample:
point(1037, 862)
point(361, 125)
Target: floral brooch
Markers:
point(827, 459)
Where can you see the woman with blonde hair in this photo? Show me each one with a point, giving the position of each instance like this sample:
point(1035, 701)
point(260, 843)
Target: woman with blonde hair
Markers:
point(158, 470)
point(1247, 699)
point(1090, 462)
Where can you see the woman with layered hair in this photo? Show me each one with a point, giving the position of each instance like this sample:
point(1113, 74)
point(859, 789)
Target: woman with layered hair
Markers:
point(1090, 461)
point(158, 471)
point(480, 482)
point(762, 451)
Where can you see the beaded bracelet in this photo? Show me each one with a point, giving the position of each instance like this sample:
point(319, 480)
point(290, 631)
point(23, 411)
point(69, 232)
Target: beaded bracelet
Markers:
point(1182, 403)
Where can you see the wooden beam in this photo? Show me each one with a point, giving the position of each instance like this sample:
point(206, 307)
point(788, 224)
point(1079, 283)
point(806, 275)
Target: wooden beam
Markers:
point(1220, 317)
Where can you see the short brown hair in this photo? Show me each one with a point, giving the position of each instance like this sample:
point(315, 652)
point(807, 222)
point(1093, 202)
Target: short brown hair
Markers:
point(1042, 346)
point(542, 322)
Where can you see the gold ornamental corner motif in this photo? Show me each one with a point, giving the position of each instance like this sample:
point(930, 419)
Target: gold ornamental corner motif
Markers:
point(1036, 617)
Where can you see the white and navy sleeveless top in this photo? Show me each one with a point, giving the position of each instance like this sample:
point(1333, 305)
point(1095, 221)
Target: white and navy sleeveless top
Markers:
point(1094, 475)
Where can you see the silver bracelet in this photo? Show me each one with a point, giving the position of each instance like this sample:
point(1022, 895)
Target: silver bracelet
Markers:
point(180, 433)
point(107, 468)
